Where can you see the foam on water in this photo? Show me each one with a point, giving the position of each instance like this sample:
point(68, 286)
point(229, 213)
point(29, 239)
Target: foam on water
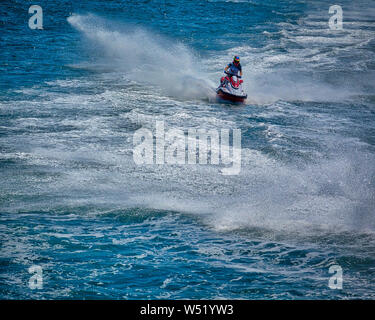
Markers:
point(146, 57)
point(74, 201)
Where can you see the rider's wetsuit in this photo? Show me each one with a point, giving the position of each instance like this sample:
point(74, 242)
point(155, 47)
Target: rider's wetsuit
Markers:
point(234, 69)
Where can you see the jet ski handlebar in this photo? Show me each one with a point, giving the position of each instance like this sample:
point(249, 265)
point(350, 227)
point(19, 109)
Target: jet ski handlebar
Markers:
point(232, 74)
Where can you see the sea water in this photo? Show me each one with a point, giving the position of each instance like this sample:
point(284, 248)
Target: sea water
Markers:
point(297, 221)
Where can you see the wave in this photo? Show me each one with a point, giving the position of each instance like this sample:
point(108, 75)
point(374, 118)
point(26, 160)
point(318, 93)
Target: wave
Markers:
point(145, 56)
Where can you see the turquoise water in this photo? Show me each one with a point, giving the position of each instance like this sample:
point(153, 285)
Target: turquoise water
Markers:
point(74, 203)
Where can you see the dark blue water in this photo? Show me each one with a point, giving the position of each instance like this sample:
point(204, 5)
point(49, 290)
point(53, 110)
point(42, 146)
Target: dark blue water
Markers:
point(74, 203)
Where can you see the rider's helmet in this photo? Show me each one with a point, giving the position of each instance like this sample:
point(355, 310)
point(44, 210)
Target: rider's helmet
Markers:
point(236, 60)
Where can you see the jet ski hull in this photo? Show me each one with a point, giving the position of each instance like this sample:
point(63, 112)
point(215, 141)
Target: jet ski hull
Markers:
point(230, 97)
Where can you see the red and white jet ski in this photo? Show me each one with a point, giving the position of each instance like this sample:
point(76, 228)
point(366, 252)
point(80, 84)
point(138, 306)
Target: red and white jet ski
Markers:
point(230, 88)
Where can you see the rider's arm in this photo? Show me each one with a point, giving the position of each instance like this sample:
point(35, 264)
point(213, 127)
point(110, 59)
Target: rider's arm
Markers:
point(226, 68)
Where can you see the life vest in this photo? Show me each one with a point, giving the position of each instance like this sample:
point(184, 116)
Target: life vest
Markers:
point(234, 69)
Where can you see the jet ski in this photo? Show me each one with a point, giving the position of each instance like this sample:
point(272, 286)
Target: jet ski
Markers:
point(230, 88)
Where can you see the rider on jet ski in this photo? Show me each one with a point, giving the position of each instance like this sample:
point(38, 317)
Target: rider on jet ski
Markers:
point(234, 67)
point(230, 88)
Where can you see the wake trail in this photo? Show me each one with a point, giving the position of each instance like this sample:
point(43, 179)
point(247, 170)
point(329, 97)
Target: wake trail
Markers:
point(145, 57)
